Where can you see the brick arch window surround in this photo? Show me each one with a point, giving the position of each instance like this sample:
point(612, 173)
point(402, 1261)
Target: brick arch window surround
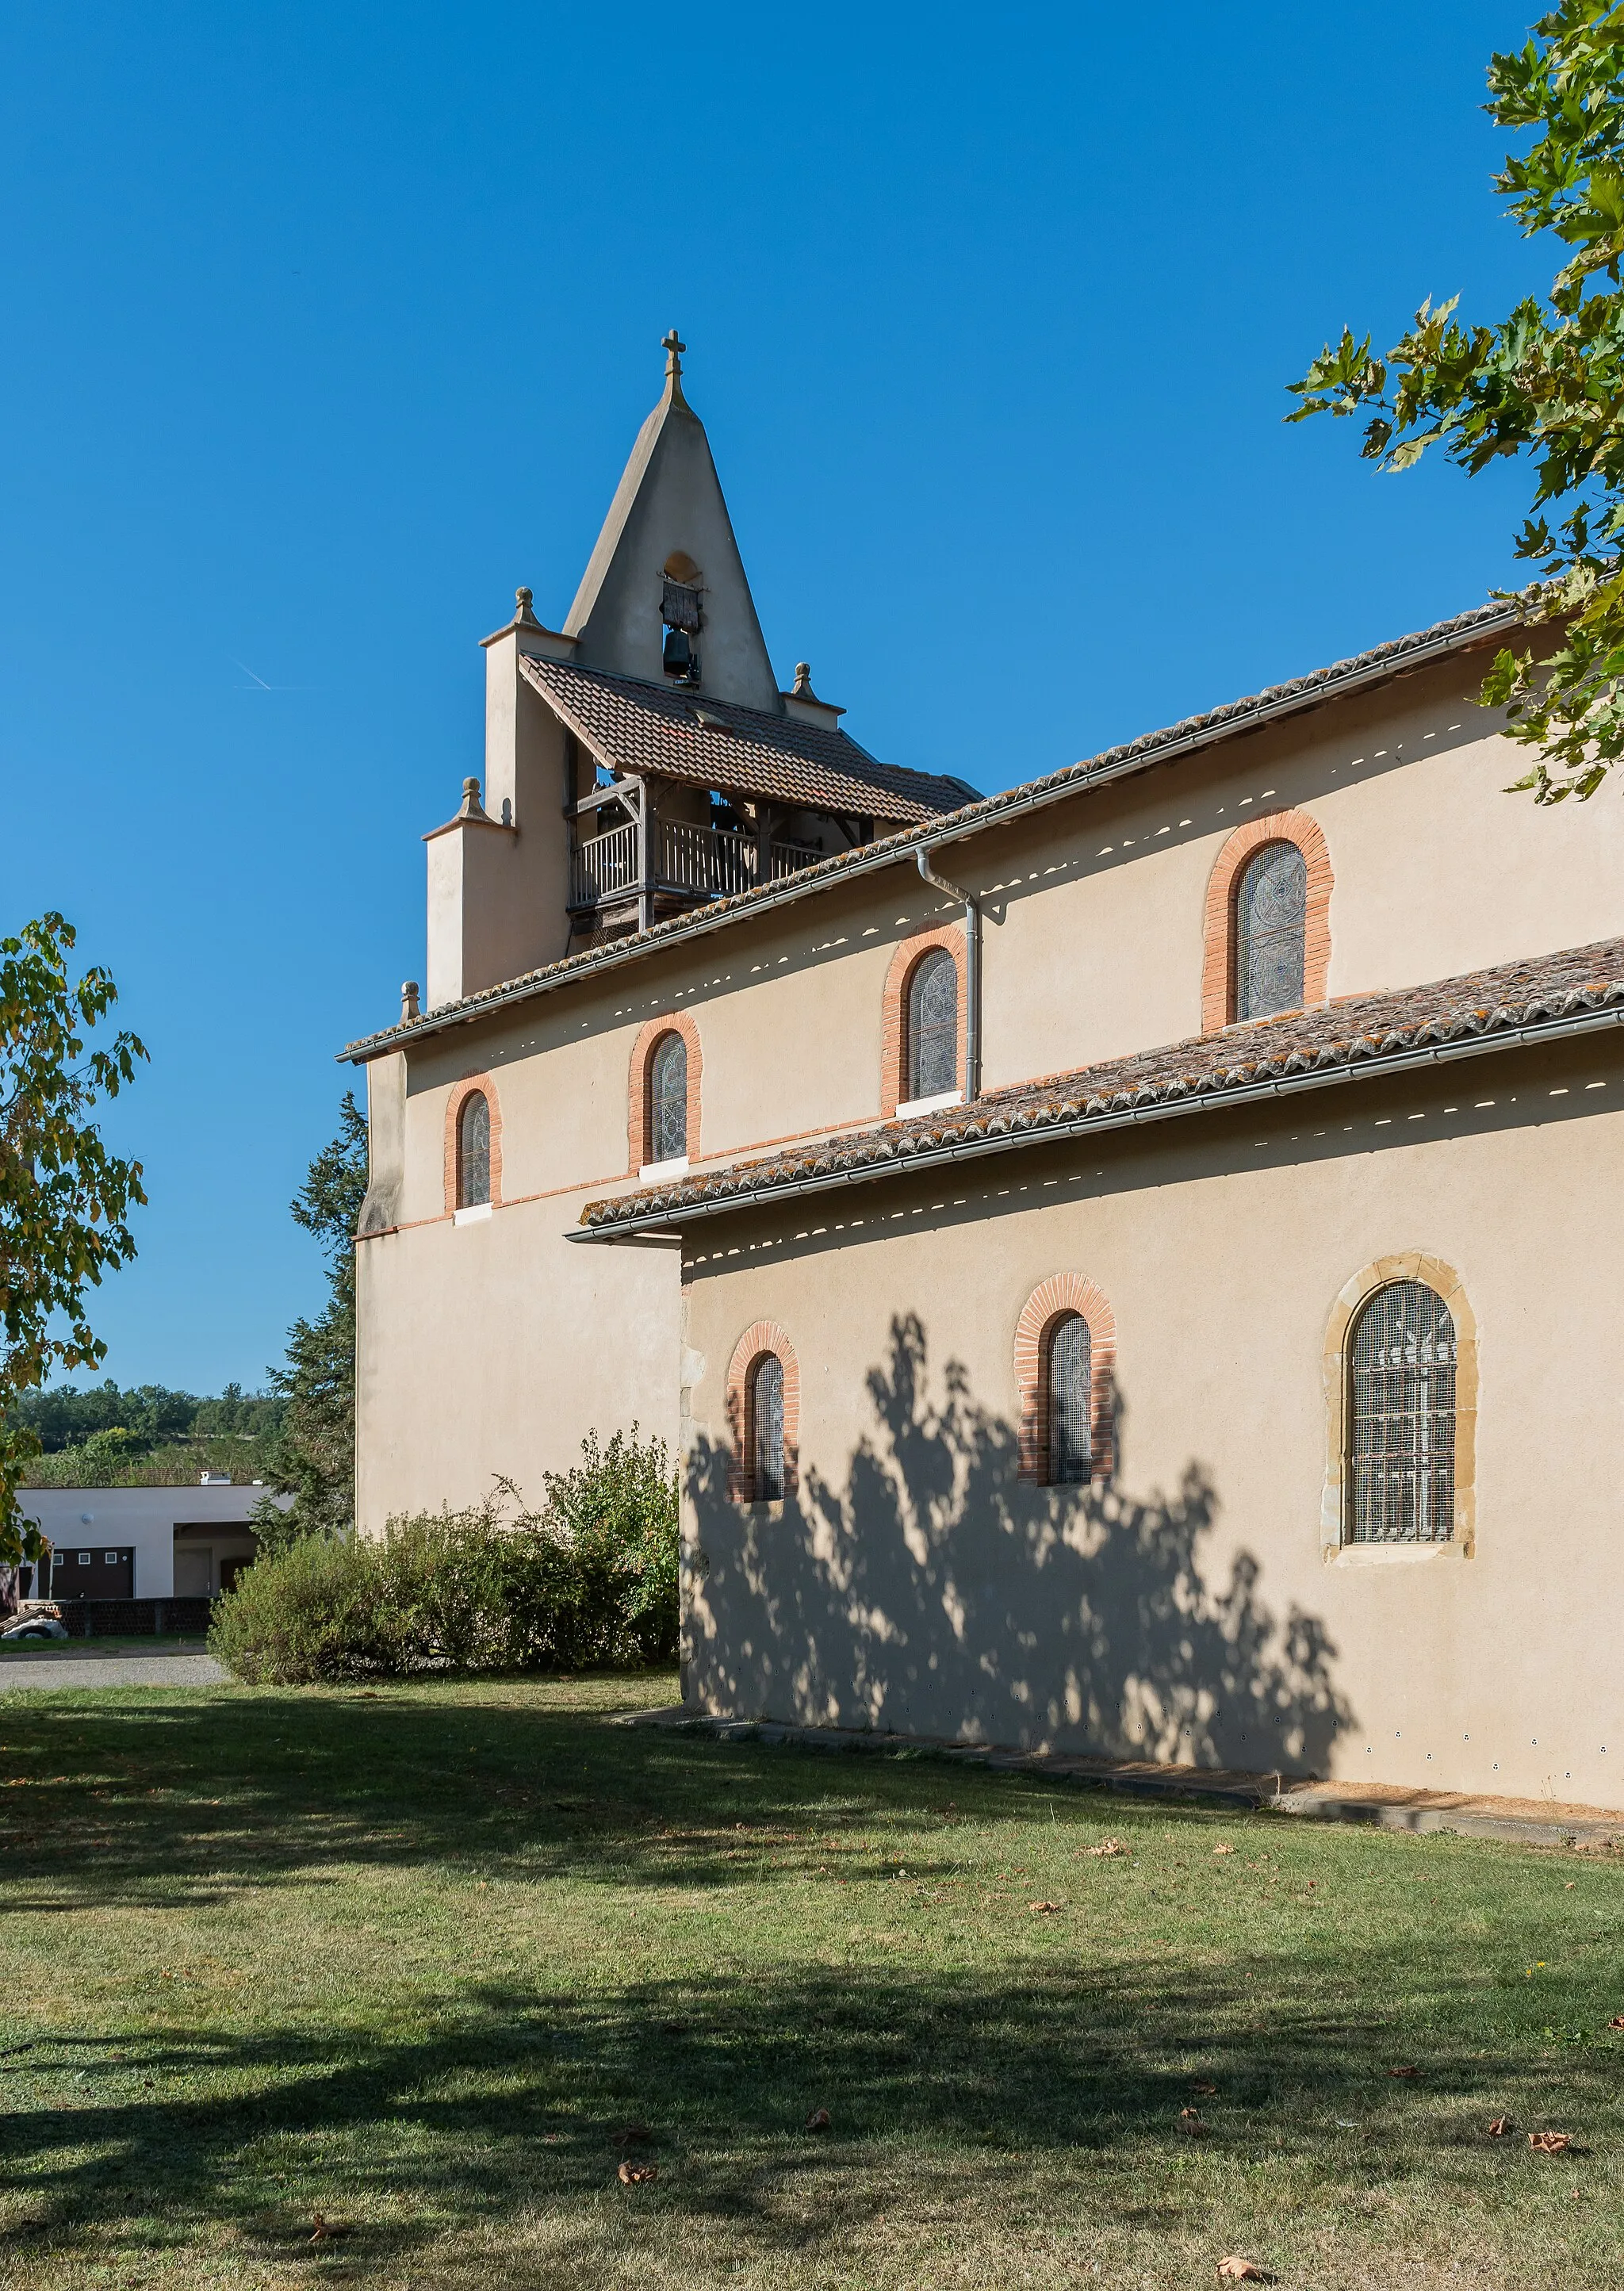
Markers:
point(1220, 929)
point(763, 1342)
point(1399, 1366)
point(894, 1089)
point(472, 1086)
point(1065, 1298)
point(640, 1105)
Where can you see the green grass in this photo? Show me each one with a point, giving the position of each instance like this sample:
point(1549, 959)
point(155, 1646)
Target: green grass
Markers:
point(410, 1959)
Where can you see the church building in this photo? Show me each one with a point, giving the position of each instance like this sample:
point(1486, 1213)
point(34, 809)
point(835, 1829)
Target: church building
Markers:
point(1123, 1263)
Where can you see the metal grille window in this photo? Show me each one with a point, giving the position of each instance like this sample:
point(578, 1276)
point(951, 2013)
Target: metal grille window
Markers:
point(933, 1026)
point(668, 1099)
point(1401, 1452)
point(1271, 909)
point(1071, 1397)
point(767, 1424)
point(473, 1152)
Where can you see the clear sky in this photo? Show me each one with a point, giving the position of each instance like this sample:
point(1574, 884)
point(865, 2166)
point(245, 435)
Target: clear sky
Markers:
point(325, 326)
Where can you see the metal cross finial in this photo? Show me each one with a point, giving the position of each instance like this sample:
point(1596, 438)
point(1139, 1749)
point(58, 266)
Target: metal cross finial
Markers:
point(674, 348)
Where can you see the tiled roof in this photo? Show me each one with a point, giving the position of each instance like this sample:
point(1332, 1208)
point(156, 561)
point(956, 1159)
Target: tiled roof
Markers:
point(1555, 992)
point(647, 727)
point(1187, 737)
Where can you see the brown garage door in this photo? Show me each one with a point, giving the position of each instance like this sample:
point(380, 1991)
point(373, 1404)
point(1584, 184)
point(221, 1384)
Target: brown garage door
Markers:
point(94, 1573)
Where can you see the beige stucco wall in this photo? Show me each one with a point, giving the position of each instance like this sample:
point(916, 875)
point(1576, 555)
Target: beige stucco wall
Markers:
point(1188, 1611)
point(494, 1346)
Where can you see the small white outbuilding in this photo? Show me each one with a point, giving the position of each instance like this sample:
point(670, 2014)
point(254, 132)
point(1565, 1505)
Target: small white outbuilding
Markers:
point(146, 1543)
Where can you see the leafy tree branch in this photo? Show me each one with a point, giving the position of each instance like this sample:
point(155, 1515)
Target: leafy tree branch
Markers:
point(1546, 382)
point(64, 1199)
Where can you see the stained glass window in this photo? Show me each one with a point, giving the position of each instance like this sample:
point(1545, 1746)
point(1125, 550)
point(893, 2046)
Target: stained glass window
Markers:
point(473, 1151)
point(668, 1099)
point(767, 1419)
point(1071, 1401)
point(1402, 1451)
point(1271, 908)
point(933, 1026)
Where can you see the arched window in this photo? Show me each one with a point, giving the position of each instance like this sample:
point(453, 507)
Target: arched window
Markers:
point(1271, 916)
point(474, 1151)
point(1071, 1401)
point(668, 1099)
point(1401, 1449)
point(933, 1026)
point(767, 1428)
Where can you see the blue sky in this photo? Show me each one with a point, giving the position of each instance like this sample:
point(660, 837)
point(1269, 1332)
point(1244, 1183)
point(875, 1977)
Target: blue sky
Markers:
point(327, 327)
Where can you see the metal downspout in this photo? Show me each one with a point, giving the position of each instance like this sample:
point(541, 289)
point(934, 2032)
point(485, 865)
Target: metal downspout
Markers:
point(972, 972)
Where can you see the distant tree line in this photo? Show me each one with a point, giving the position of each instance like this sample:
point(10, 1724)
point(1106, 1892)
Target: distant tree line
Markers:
point(150, 1415)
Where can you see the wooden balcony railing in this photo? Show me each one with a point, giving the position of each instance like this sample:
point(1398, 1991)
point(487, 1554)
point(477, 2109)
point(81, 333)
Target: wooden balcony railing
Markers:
point(699, 863)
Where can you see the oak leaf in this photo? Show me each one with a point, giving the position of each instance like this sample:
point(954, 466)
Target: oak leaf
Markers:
point(326, 2230)
point(1550, 2143)
point(818, 2121)
point(1224, 1849)
point(1404, 2072)
point(1617, 2021)
point(1044, 1908)
point(1208, 2088)
point(1189, 2120)
point(1499, 2126)
point(1240, 2270)
point(1111, 1847)
point(637, 2175)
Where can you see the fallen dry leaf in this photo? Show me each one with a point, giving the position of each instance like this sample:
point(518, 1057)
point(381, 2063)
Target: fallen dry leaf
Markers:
point(637, 2175)
point(1242, 2270)
point(630, 2136)
point(1499, 2126)
point(1203, 2088)
point(818, 2121)
point(1189, 2120)
point(1550, 2143)
point(1044, 1908)
point(1227, 1849)
point(1404, 2072)
point(1617, 2021)
point(1112, 1845)
point(326, 2230)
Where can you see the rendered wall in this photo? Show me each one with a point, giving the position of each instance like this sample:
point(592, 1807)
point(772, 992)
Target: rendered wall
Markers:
point(1187, 1611)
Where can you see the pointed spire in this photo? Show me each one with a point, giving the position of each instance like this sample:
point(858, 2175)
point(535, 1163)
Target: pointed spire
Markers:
point(668, 537)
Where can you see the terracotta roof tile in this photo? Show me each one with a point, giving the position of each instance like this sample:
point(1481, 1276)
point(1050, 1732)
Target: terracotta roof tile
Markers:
point(682, 735)
point(1297, 1049)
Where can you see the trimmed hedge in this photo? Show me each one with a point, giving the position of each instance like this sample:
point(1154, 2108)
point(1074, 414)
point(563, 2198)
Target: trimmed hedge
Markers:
point(589, 1581)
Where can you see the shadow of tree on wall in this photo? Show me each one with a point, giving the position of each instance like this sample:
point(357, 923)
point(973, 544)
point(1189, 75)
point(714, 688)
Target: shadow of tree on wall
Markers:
point(937, 1594)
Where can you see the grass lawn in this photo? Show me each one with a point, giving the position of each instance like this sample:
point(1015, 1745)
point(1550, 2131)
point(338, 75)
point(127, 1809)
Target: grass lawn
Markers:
point(409, 1960)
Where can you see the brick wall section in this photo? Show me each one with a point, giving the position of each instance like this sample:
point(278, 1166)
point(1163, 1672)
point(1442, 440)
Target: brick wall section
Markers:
point(760, 1336)
point(1049, 1303)
point(894, 1020)
point(462, 1092)
point(1217, 978)
point(638, 1108)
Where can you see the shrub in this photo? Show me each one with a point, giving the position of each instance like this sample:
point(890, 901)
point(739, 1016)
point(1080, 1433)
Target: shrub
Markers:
point(313, 1610)
point(590, 1581)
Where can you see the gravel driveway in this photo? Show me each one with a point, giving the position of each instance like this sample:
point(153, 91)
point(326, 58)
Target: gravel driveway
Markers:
point(55, 1665)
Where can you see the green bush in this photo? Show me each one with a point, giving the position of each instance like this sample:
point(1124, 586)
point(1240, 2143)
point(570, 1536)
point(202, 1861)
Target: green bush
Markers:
point(590, 1580)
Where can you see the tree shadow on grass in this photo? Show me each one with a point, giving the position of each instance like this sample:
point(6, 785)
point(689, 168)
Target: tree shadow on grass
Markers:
point(511, 2106)
point(936, 1593)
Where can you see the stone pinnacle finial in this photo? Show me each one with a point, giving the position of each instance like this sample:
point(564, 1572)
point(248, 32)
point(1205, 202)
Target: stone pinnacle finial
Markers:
point(673, 346)
point(524, 609)
point(803, 682)
point(408, 1000)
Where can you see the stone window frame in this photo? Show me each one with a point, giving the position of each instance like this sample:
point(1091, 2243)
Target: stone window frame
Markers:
point(905, 958)
point(639, 1112)
point(1218, 930)
point(1051, 1302)
point(1441, 1277)
point(761, 1337)
point(461, 1092)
